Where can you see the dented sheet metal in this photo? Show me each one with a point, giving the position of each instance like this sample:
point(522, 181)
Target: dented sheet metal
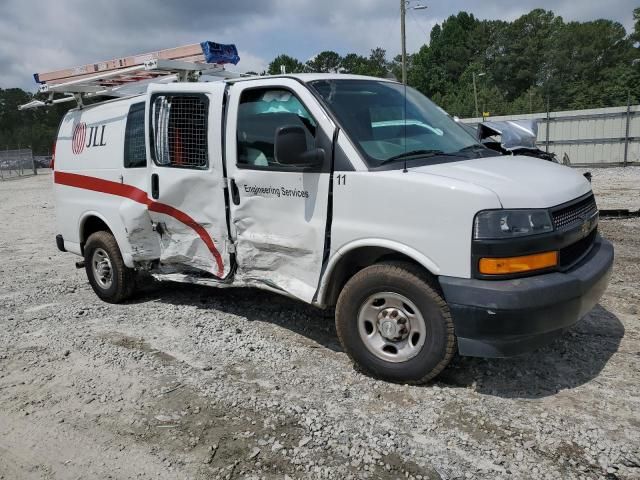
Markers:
point(518, 137)
point(144, 242)
point(272, 250)
point(279, 214)
point(187, 182)
point(190, 221)
point(279, 230)
point(515, 133)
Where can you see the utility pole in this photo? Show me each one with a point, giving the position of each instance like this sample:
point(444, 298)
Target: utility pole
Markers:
point(548, 124)
point(626, 132)
point(628, 122)
point(475, 91)
point(403, 36)
point(403, 13)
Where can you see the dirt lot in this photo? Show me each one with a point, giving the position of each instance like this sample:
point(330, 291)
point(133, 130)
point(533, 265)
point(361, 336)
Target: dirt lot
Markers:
point(616, 187)
point(186, 382)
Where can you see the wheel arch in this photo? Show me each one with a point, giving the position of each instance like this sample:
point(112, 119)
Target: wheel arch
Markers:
point(355, 256)
point(92, 222)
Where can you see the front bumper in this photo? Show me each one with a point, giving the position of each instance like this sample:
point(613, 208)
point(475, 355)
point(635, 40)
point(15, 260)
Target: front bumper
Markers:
point(501, 318)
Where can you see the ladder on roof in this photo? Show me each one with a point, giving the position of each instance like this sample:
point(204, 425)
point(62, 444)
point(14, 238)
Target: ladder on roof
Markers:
point(127, 76)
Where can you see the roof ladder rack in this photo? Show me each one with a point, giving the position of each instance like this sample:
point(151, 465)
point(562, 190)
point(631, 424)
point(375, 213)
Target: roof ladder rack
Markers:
point(129, 76)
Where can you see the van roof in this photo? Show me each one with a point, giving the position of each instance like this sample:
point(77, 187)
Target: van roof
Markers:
point(310, 77)
point(125, 100)
point(303, 77)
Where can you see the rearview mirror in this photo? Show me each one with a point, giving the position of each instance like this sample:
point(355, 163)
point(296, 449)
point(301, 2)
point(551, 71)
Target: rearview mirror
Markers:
point(291, 148)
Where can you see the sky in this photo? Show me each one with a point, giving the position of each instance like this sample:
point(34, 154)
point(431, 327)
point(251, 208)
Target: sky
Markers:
point(43, 35)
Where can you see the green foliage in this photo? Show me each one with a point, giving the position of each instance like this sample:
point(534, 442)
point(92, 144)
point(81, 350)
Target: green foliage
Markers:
point(292, 65)
point(534, 59)
point(375, 65)
point(28, 128)
point(355, 64)
point(325, 62)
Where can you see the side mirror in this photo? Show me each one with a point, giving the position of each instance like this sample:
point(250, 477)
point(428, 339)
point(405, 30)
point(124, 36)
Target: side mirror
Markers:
point(291, 148)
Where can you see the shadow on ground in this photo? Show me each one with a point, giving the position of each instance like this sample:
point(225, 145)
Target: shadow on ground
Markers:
point(254, 305)
point(575, 358)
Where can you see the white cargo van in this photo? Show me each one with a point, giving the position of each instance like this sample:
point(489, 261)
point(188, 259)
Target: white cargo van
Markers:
point(337, 190)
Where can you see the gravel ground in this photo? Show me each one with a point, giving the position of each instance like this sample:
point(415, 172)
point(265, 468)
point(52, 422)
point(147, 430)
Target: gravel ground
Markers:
point(188, 382)
point(616, 187)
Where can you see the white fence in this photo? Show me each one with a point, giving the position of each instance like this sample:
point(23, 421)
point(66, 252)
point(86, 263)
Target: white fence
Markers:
point(595, 137)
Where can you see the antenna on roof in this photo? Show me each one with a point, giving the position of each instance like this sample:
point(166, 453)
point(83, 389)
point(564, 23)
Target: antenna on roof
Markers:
point(127, 76)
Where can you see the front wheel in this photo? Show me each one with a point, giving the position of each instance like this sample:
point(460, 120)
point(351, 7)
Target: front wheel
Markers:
point(394, 325)
point(109, 277)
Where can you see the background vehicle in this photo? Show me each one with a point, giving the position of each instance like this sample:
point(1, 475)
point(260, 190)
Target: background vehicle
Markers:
point(516, 137)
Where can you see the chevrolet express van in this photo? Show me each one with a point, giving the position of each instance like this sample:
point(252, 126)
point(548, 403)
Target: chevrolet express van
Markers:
point(341, 191)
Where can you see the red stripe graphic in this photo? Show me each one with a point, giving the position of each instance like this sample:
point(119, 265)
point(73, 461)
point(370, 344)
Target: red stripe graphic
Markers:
point(140, 196)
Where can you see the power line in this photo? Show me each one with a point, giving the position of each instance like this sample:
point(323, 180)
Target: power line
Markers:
point(413, 17)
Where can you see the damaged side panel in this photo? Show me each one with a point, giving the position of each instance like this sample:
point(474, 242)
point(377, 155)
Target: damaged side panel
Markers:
point(277, 244)
point(186, 185)
point(279, 211)
point(189, 221)
point(144, 242)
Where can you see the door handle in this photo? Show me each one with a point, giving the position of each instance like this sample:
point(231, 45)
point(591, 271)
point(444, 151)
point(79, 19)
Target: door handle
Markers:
point(235, 193)
point(155, 186)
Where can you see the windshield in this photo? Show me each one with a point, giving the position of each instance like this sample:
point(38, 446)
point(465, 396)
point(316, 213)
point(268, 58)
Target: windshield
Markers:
point(372, 113)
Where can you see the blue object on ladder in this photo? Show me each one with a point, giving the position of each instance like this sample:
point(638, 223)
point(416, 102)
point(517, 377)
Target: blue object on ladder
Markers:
point(219, 53)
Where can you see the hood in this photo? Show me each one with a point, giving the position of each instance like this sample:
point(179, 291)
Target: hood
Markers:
point(514, 133)
point(518, 181)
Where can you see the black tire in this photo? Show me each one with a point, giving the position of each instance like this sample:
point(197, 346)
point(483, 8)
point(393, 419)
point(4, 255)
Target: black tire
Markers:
point(123, 279)
point(406, 280)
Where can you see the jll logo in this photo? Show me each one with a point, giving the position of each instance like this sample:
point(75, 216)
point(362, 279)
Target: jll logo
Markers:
point(80, 137)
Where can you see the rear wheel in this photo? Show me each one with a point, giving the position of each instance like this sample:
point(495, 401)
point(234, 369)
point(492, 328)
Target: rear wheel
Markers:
point(394, 325)
point(109, 277)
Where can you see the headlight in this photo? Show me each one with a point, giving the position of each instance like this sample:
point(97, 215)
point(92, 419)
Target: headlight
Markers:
point(497, 224)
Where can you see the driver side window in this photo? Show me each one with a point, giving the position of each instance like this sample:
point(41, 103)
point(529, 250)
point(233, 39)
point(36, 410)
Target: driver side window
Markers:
point(261, 113)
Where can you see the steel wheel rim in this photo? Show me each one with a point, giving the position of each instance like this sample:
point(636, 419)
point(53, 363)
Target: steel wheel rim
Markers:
point(382, 319)
point(101, 266)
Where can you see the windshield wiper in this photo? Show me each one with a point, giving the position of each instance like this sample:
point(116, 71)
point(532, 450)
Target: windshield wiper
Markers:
point(418, 153)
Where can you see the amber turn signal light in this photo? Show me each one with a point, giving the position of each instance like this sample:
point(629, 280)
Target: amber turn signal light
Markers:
point(526, 263)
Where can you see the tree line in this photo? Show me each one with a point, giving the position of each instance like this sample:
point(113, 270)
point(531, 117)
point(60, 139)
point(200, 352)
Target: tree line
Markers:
point(35, 129)
point(538, 60)
point(535, 62)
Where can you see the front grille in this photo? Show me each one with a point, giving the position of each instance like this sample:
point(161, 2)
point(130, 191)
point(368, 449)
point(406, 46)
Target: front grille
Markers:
point(574, 252)
point(575, 214)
